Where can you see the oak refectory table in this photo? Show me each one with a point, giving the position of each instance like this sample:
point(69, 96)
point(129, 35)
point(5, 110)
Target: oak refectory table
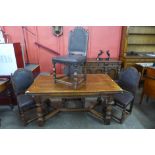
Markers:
point(97, 85)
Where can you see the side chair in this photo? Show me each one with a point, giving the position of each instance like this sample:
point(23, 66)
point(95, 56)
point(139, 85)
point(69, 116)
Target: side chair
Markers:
point(74, 60)
point(21, 80)
point(129, 82)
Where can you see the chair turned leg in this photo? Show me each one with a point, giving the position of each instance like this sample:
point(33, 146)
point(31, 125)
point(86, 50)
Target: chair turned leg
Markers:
point(123, 115)
point(131, 106)
point(21, 113)
point(99, 100)
point(23, 118)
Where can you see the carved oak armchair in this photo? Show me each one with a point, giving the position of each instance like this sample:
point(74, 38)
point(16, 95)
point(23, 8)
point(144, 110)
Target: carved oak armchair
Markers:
point(74, 61)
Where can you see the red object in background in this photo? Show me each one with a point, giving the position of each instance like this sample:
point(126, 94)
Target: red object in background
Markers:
point(19, 55)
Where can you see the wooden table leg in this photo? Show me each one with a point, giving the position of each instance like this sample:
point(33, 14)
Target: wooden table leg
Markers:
point(39, 111)
point(108, 110)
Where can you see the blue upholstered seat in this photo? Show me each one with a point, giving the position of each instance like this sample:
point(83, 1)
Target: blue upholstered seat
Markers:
point(25, 102)
point(124, 98)
point(70, 59)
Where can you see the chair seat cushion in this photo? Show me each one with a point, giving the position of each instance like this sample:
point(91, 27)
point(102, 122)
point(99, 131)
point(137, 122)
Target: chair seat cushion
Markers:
point(70, 59)
point(25, 102)
point(123, 98)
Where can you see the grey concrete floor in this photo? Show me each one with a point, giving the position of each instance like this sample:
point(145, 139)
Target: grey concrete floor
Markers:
point(143, 116)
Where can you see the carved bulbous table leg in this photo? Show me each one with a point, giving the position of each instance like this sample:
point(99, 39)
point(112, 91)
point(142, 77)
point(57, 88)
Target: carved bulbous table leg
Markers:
point(39, 110)
point(108, 102)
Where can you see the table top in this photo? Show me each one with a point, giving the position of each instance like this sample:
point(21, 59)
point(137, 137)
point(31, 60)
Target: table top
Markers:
point(95, 84)
point(3, 84)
